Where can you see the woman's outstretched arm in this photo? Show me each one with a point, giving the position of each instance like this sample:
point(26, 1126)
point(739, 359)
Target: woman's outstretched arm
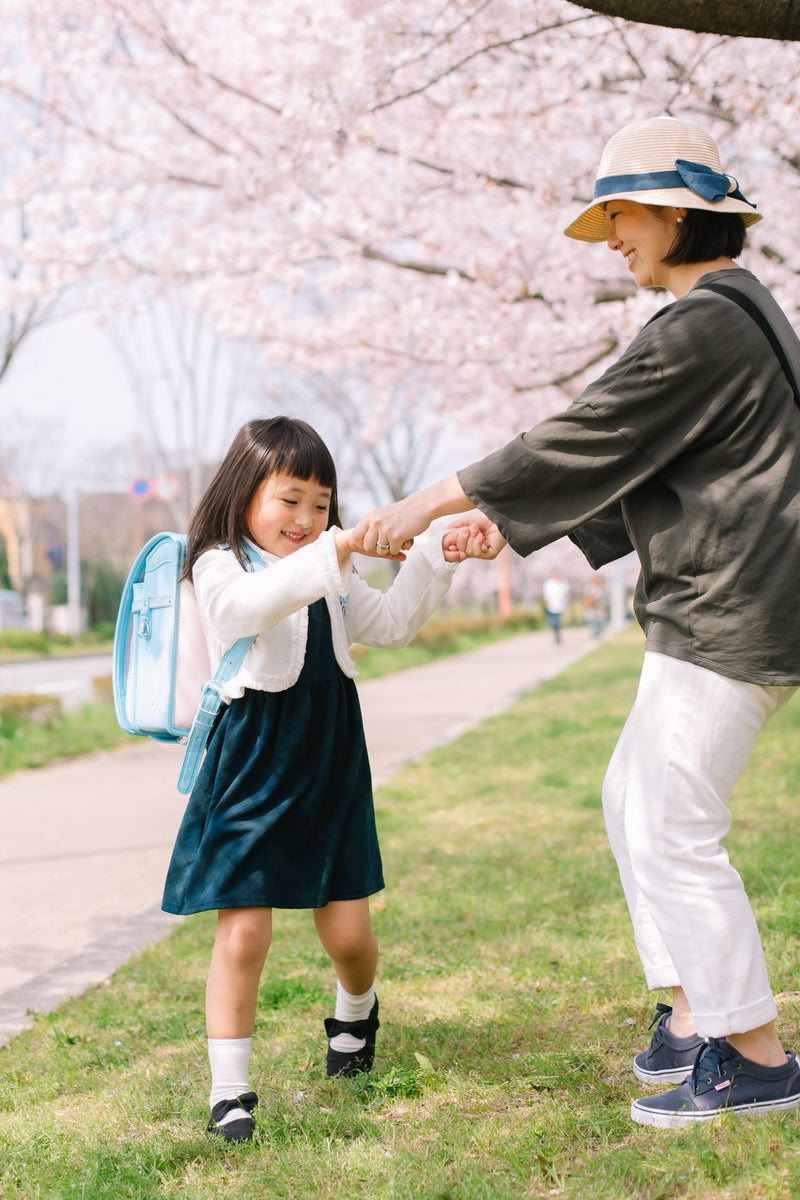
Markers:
point(393, 528)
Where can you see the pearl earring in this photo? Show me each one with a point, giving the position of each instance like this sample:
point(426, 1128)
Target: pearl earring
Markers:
point(679, 220)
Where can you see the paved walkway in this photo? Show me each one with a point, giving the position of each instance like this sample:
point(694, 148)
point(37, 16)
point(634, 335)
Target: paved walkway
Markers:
point(85, 843)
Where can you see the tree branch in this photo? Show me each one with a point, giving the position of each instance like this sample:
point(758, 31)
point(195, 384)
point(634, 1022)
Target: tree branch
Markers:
point(777, 20)
point(561, 381)
point(499, 180)
point(410, 264)
point(503, 44)
point(171, 46)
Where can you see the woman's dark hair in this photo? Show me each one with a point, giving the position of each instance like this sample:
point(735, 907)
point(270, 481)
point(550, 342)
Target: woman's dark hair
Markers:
point(261, 448)
point(704, 236)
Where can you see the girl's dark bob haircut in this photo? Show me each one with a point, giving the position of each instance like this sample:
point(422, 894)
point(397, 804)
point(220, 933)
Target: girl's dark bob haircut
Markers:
point(269, 446)
point(705, 236)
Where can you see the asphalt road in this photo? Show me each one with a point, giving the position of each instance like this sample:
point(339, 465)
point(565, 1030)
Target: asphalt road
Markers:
point(71, 679)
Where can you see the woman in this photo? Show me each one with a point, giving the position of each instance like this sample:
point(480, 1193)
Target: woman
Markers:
point(687, 450)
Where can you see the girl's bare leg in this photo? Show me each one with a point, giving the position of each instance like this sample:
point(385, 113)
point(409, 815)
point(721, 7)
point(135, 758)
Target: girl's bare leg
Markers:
point(345, 931)
point(240, 950)
point(346, 934)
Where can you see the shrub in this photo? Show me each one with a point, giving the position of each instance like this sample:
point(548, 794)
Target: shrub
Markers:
point(442, 634)
point(23, 641)
point(16, 711)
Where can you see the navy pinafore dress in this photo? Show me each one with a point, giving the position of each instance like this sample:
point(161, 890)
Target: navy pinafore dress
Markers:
point(281, 815)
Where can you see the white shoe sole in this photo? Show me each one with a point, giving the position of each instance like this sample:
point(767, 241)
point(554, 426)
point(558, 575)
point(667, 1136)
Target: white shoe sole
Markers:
point(679, 1120)
point(658, 1077)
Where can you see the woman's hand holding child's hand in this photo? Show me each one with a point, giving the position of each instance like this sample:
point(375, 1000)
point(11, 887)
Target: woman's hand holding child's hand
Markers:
point(347, 544)
point(473, 536)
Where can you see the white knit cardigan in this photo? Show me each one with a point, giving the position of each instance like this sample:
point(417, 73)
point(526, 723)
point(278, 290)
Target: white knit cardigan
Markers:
point(273, 604)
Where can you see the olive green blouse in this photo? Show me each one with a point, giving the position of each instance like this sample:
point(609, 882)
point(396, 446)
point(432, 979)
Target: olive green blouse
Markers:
point(687, 450)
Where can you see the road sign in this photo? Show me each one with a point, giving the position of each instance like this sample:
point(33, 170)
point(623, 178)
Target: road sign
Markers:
point(166, 487)
point(141, 487)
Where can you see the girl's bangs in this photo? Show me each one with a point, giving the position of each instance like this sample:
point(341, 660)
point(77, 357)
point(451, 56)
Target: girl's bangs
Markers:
point(304, 457)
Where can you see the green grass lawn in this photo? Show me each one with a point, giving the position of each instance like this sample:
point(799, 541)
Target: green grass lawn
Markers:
point(511, 996)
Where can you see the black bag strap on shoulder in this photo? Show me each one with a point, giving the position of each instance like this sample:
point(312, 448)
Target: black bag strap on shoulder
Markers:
point(755, 312)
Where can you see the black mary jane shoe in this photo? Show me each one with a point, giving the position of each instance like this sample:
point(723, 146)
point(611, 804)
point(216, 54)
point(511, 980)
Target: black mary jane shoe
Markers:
point(240, 1130)
point(341, 1064)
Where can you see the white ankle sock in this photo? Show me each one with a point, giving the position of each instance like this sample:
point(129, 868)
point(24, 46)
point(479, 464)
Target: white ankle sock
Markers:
point(229, 1059)
point(351, 1008)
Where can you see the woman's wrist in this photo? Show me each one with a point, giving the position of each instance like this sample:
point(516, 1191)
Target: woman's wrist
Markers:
point(443, 499)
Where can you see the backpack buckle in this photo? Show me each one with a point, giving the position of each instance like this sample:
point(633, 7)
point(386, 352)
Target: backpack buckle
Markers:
point(144, 629)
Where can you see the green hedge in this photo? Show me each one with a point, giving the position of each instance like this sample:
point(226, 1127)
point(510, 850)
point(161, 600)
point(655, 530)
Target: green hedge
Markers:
point(442, 633)
point(17, 711)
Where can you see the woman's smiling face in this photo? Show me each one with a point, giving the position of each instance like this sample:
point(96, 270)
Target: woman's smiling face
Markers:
point(644, 238)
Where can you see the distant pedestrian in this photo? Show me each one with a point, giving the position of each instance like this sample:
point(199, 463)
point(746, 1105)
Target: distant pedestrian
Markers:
point(595, 606)
point(281, 815)
point(555, 594)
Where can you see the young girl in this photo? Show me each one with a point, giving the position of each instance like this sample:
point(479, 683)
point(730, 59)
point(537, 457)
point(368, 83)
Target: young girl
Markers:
point(281, 815)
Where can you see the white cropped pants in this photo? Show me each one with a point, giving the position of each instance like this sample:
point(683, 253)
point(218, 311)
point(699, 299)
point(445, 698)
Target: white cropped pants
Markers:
point(684, 745)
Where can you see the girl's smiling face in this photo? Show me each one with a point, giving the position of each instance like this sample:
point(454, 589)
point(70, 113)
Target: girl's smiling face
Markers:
point(644, 238)
point(286, 513)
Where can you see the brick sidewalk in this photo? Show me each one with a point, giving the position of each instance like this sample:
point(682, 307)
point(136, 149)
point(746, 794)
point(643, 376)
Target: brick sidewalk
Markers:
point(86, 843)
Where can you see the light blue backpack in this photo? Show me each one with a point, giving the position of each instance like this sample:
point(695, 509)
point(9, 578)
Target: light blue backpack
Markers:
point(160, 666)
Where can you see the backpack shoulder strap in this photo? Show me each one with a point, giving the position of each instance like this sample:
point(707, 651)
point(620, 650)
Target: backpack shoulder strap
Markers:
point(211, 697)
point(753, 310)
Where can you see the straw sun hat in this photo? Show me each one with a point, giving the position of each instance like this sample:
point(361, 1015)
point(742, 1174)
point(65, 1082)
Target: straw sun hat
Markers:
point(661, 161)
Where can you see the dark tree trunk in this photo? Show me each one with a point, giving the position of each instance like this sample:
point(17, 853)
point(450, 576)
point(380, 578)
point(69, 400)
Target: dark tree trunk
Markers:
point(778, 20)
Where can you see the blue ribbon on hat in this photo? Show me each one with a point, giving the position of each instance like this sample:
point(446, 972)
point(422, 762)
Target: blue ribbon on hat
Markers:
point(704, 181)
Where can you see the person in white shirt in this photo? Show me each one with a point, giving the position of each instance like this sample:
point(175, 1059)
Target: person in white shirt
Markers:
point(555, 593)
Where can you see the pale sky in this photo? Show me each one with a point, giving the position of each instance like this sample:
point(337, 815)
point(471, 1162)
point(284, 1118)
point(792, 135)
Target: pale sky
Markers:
point(67, 387)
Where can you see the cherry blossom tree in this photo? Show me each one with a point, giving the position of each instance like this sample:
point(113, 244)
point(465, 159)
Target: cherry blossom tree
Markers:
point(48, 251)
point(376, 193)
point(29, 296)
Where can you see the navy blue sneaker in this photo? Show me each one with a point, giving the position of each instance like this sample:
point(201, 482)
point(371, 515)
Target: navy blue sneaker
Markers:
point(722, 1081)
point(668, 1059)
